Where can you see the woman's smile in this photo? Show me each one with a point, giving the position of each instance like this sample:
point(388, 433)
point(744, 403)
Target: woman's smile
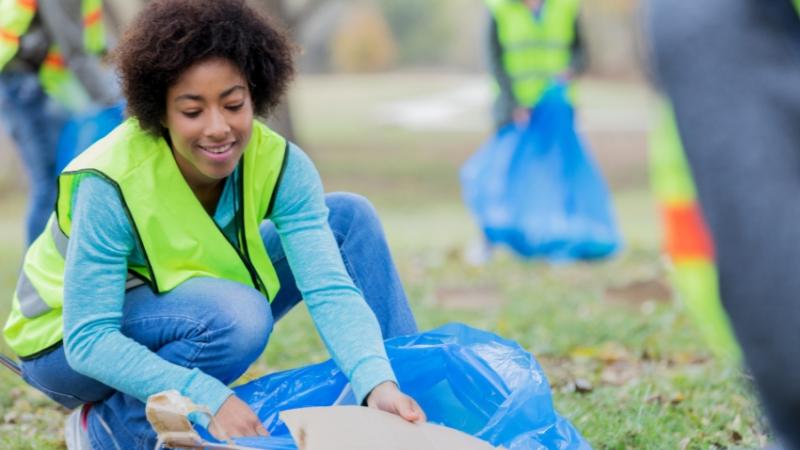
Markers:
point(218, 152)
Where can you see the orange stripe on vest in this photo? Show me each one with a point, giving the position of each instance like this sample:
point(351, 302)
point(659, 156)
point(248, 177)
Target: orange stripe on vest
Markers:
point(55, 60)
point(9, 37)
point(29, 5)
point(686, 233)
point(93, 17)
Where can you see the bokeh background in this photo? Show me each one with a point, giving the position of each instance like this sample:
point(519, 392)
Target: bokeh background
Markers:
point(392, 97)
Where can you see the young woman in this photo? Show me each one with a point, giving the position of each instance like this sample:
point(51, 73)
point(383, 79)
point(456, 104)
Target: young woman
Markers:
point(158, 270)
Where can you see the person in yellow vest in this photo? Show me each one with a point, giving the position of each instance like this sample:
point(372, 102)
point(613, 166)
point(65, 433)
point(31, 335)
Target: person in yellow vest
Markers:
point(49, 68)
point(182, 236)
point(531, 44)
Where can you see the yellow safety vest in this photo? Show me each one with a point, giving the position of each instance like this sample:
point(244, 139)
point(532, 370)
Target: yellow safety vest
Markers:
point(56, 79)
point(687, 241)
point(178, 238)
point(534, 50)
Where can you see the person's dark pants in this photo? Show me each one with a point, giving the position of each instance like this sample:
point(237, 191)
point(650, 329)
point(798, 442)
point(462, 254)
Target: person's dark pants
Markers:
point(731, 69)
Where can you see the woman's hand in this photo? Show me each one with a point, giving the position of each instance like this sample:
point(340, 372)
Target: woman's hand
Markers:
point(388, 397)
point(521, 116)
point(235, 419)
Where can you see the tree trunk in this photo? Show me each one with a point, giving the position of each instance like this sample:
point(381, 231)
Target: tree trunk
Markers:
point(281, 118)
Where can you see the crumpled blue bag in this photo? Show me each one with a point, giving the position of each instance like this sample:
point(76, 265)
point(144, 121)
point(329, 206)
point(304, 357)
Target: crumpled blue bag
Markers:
point(464, 378)
point(536, 190)
point(83, 130)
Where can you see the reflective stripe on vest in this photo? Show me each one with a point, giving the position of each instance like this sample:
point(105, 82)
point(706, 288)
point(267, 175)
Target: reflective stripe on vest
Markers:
point(179, 240)
point(59, 238)
point(93, 29)
point(60, 84)
point(17, 16)
point(31, 303)
point(534, 50)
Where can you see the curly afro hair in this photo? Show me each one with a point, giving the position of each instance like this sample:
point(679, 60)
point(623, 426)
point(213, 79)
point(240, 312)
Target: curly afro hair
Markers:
point(169, 36)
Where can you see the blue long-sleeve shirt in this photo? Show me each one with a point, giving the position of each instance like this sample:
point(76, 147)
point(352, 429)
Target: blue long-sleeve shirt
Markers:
point(103, 244)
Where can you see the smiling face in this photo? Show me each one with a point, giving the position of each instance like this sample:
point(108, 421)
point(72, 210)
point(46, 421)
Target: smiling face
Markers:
point(209, 118)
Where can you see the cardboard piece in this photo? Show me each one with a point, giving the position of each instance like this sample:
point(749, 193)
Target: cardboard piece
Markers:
point(359, 428)
point(317, 428)
point(168, 413)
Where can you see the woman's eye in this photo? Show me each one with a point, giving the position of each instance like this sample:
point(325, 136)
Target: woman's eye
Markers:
point(236, 107)
point(191, 114)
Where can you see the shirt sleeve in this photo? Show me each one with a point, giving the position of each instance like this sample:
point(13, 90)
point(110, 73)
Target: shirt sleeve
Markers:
point(94, 293)
point(494, 57)
point(63, 21)
point(579, 61)
point(343, 319)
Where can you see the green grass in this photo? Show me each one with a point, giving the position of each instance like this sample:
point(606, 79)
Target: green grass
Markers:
point(627, 367)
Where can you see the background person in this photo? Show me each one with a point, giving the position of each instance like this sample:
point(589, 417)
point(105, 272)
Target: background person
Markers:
point(50, 68)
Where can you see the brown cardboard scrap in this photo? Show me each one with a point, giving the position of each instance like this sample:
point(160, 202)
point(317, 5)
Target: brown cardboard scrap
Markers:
point(168, 413)
point(359, 428)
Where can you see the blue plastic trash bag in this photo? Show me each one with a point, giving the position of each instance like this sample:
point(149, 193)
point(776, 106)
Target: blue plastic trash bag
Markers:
point(536, 190)
point(83, 130)
point(464, 378)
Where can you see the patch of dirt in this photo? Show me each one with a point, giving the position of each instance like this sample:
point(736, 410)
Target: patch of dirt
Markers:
point(640, 291)
point(470, 298)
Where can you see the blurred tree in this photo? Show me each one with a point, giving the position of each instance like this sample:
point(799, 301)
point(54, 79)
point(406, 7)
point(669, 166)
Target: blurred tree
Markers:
point(423, 29)
point(363, 42)
point(292, 14)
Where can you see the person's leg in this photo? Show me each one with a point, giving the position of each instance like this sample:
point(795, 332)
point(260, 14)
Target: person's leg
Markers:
point(732, 69)
point(366, 256)
point(35, 122)
point(52, 375)
point(217, 326)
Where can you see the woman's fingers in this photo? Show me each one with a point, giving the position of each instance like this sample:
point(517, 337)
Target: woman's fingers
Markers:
point(236, 419)
point(410, 410)
point(388, 397)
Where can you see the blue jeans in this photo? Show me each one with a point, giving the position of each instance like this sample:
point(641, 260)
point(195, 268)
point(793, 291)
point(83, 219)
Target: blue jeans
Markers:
point(35, 122)
point(191, 325)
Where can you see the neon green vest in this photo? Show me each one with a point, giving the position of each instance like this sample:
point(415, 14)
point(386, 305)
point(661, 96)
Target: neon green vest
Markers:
point(56, 80)
point(534, 50)
point(178, 238)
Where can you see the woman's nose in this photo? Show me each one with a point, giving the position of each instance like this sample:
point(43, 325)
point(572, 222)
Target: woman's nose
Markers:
point(217, 126)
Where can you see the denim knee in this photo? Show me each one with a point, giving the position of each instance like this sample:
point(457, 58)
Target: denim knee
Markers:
point(243, 320)
point(348, 209)
point(216, 325)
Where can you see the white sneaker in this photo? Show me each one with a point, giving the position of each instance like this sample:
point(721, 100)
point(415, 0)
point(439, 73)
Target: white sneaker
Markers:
point(478, 253)
point(75, 433)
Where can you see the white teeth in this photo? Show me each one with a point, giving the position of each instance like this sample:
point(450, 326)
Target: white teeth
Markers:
point(217, 150)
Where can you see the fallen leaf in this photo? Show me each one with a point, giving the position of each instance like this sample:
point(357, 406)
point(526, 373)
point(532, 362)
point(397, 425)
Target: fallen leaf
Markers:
point(677, 398)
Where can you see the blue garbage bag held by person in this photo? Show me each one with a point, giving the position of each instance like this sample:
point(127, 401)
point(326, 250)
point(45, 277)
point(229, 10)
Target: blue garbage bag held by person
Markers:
point(536, 190)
